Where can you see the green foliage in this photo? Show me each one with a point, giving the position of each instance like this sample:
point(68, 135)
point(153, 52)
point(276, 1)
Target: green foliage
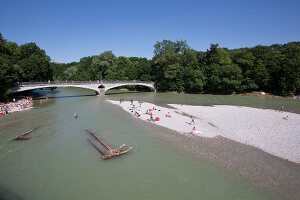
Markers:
point(244, 58)
point(177, 67)
point(223, 79)
point(7, 77)
point(218, 56)
point(194, 80)
point(290, 71)
point(21, 63)
point(174, 67)
point(71, 72)
point(58, 70)
point(282, 65)
point(125, 68)
point(141, 69)
point(260, 75)
point(35, 68)
point(84, 69)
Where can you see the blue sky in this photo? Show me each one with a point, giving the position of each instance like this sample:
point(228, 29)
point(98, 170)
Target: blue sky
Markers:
point(70, 30)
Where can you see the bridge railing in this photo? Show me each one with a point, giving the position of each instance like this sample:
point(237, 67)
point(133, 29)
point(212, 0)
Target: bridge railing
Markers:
point(56, 83)
point(126, 81)
point(81, 82)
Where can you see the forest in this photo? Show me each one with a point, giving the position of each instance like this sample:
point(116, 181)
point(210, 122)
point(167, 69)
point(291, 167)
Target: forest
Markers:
point(175, 66)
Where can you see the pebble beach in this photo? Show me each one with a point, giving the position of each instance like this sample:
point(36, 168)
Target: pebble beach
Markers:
point(275, 132)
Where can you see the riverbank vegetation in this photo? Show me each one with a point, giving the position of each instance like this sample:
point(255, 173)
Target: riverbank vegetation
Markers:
point(177, 67)
point(26, 62)
point(174, 67)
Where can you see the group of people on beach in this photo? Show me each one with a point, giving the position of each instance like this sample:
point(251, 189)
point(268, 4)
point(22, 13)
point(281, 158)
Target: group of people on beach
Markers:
point(135, 107)
point(150, 113)
point(16, 105)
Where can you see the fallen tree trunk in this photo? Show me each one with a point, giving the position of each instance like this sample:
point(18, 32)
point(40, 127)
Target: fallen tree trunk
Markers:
point(23, 136)
point(93, 133)
point(111, 151)
point(98, 149)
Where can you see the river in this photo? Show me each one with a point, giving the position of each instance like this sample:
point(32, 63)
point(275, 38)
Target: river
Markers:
point(59, 163)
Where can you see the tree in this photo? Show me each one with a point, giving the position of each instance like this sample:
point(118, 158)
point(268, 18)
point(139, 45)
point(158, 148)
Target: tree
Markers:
point(2, 42)
point(288, 83)
point(168, 64)
point(174, 67)
point(260, 75)
point(142, 68)
point(97, 69)
point(216, 55)
point(193, 75)
point(35, 63)
point(84, 69)
point(101, 64)
point(8, 76)
point(36, 68)
point(71, 72)
point(59, 68)
point(167, 45)
point(223, 79)
point(127, 67)
point(194, 80)
point(244, 58)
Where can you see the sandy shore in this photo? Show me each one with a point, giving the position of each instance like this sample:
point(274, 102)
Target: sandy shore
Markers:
point(277, 133)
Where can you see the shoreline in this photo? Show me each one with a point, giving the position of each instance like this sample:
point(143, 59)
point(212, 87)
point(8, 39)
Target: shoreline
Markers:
point(16, 106)
point(274, 132)
point(274, 174)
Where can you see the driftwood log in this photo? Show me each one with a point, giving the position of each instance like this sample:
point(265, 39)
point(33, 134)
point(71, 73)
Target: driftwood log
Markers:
point(97, 148)
point(111, 152)
point(23, 135)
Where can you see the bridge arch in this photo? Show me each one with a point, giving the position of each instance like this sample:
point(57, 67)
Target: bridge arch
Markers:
point(151, 87)
point(56, 86)
point(97, 86)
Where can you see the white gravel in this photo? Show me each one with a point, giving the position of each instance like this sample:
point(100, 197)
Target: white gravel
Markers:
point(265, 129)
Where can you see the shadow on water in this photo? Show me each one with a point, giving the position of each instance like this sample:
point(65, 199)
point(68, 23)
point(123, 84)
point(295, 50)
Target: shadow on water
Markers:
point(8, 195)
point(126, 92)
point(66, 96)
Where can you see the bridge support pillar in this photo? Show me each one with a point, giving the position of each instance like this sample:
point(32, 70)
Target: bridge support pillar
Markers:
point(101, 92)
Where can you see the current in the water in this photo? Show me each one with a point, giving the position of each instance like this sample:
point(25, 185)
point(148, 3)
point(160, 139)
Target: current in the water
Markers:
point(59, 163)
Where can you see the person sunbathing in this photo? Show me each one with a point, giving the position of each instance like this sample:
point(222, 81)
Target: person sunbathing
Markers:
point(152, 119)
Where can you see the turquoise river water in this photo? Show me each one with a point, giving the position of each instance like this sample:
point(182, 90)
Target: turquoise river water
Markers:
point(59, 163)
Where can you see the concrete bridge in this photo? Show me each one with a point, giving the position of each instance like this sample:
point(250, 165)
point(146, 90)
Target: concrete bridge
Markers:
point(100, 87)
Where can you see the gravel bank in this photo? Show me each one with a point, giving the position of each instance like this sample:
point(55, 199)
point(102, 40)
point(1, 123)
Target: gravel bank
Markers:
point(277, 133)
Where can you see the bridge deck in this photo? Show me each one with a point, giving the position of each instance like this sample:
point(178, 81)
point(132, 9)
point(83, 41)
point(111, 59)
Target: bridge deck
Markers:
point(98, 86)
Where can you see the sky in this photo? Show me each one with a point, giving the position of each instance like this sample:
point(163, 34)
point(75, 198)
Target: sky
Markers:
point(71, 29)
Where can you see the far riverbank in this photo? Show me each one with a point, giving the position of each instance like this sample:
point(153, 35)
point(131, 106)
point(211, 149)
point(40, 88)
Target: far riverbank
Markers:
point(264, 102)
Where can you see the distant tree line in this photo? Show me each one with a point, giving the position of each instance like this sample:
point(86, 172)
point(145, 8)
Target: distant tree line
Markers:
point(174, 67)
point(177, 67)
